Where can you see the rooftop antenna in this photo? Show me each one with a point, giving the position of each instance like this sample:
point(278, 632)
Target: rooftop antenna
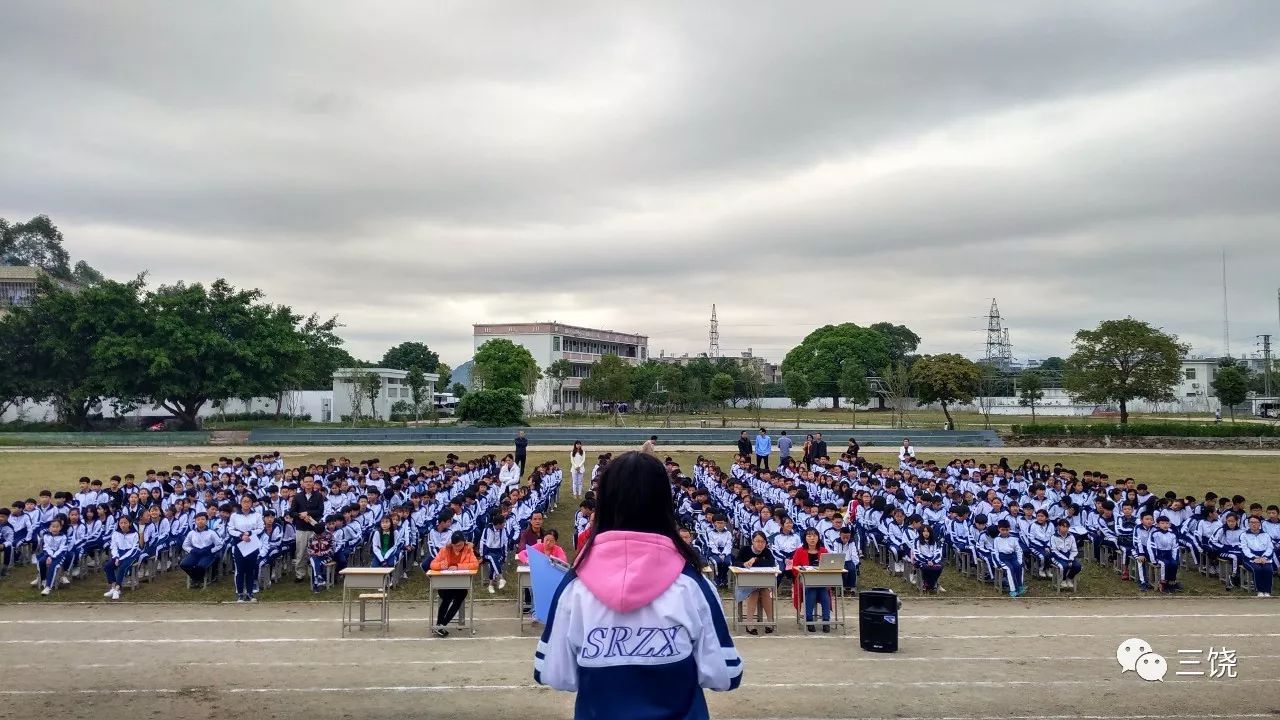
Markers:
point(713, 350)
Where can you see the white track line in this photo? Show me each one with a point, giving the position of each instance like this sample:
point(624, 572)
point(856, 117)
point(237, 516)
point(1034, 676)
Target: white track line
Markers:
point(220, 621)
point(526, 661)
point(507, 638)
point(530, 686)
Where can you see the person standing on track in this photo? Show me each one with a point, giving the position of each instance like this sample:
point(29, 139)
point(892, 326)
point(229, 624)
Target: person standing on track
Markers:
point(763, 448)
point(784, 448)
point(522, 449)
point(744, 445)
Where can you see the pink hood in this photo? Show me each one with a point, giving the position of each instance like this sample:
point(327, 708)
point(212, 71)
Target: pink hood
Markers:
point(628, 570)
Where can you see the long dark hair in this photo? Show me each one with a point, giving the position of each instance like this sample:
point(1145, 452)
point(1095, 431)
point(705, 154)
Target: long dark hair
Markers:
point(635, 495)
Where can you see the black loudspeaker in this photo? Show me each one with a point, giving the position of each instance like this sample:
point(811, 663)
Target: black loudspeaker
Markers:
point(878, 620)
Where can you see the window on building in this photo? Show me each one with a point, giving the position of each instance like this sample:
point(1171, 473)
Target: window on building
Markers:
point(1191, 373)
point(555, 343)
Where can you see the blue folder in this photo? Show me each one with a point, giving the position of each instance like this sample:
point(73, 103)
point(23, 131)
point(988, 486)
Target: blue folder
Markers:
point(544, 577)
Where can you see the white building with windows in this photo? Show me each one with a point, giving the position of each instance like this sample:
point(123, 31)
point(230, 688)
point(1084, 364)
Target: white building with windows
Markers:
point(552, 341)
point(392, 389)
point(1194, 392)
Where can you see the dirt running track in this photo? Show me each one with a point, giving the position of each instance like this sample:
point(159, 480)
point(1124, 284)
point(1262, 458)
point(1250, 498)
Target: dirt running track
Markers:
point(971, 659)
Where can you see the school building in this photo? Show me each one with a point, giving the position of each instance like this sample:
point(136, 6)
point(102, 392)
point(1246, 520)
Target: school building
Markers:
point(18, 286)
point(552, 341)
point(391, 389)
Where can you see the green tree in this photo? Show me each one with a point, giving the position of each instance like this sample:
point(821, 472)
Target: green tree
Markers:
point(408, 355)
point(798, 391)
point(500, 363)
point(1231, 385)
point(1123, 360)
point(13, 389)
point(459, 390)
point(902, 342)
point(610, 382)
point(324, 355)
point(417, 382)
point(645, 380)
point(195, 344)
point(38, 243)
point(825, 352)
point(752, 388)
point(446, 375)
point(1030, 391)
point(721, 389)
point(59, 346)
point(946, 379)
point(558, 372)
point(674, 388)
point(370, 385)
point(492, 408)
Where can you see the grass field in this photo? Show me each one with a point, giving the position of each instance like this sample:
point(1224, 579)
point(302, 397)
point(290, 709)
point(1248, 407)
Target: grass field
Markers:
point(22, 475)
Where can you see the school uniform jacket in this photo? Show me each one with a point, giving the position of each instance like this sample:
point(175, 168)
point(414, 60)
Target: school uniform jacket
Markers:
point(637, 633)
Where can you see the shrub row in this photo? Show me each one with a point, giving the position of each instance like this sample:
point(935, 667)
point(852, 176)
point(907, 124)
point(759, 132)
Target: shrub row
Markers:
point(1151, 429)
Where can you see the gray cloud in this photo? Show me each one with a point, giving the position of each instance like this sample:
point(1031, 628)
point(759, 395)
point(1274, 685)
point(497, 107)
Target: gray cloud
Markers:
point(415, 168)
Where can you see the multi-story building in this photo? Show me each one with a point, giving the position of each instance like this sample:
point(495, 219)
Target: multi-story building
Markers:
point(769, 372)
point(18, 286)
point(552, 341)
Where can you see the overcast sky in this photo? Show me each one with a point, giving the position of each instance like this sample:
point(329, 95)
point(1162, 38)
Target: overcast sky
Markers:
point(418, 167)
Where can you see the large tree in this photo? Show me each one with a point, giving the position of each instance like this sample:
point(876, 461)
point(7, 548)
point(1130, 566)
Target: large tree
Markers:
point(1124, 360)
point(1030, 391)
point(902, 341)
point(324, 355)
point(610, 382)
point(59, 341)
point(825, 353)
point(946, 379)
point(38, 243)
point(558, 372)
point(196, 344)
point(409, 355)
point(1231, 385)
point(798, 391)
point(500, 363)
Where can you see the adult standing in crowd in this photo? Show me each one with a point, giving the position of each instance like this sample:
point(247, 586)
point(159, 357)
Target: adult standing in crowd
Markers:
point(807, 456)
point(784, 448)
point(764, 448)
point(744, 445)
point(307, 509)
point(577, 466)
point(819, 447)
point(522, 450)
point(906, 451)
point(853, 448)
point(532, 535)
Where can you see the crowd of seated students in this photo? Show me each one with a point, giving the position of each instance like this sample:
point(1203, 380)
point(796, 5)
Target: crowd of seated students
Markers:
point(1000, 523)
point(234, 517)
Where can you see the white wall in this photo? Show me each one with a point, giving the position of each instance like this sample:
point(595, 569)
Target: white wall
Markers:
point(298, 402)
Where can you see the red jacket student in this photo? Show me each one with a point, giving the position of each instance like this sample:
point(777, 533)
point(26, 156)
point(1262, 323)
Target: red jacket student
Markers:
point(805, 556)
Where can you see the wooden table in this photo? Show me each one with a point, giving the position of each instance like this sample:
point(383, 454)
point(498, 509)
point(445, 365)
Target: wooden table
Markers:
point(360, 586)
point(833, 582)
point(454, 580)
point(749, 578)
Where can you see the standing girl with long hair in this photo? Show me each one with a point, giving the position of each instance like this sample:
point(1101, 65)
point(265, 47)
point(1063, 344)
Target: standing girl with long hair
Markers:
point(634, 628)
point(577, 466)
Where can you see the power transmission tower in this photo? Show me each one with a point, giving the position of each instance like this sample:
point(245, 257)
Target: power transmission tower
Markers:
point(995, 335)
point(1006, 350)
point(1266, 367)
point(713, 350)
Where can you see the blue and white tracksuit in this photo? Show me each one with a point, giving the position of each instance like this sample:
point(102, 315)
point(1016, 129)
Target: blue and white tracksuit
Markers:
point(125, 551)
point(1255, 545)
point(637, 633)
point(1162, 551)
point(55, 551)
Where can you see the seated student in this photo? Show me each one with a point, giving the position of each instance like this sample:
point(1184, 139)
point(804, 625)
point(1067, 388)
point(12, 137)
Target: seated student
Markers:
point(200, 546)
point(456, 555)
point(55, 547)
point(1226, 546)
point(636, 615)
point(756, 555)
point(1162, 553)
point(1008, 553)
point(384, 550)
point(126, 549)
point(845, 543)
point(719, 542)
point(1141, 548)
point(808, 555)
point(582, 520)
point(550, 546)
point(1036, 538)
point(1259, 553)
point(493, 550)
point(6, 541)
point(320, 550)
point(926, 554)
point(1064, 553)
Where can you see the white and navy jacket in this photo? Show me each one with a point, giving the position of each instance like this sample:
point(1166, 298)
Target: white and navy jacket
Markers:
point(637, 633)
